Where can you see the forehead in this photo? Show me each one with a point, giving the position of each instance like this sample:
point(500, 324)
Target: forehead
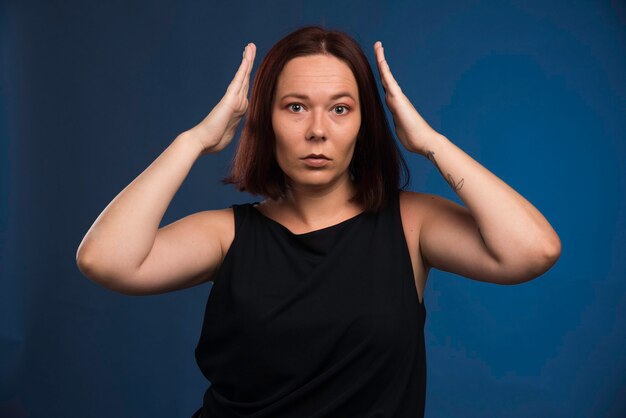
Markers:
point(316, 73)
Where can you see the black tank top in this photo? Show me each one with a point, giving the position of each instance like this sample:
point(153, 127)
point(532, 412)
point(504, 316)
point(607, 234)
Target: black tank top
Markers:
point(322, 324)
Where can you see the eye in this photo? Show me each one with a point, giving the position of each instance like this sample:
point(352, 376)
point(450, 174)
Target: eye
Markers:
point(297, 105)
point(343, 108)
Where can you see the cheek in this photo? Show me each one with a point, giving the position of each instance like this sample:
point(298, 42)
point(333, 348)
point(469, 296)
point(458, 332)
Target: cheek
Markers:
point(350, 153)
point(283, 152)
point(279, 139)
point(350, 145)
point(286, 140)
point(283, 130)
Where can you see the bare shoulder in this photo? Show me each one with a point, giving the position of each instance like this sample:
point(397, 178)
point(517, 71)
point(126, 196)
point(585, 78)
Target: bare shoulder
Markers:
point(420, 210)
point(418, 203)
point(413, 209)
point(414, 205)
point(220, 222)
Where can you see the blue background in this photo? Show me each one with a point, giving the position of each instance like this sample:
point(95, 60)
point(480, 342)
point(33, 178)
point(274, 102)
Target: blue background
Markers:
point(92, 92)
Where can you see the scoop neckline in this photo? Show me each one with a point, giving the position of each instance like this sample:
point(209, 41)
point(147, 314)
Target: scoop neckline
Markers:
point(305, 233)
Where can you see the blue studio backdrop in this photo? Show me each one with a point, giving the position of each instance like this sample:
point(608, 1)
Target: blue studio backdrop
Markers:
point(92, 92)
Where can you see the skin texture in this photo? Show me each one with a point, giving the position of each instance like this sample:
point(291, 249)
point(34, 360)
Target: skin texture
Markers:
point(497, 236)
point(318, 124)
point(315, 122)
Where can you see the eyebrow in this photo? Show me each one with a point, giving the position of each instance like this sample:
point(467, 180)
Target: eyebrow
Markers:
point(305, 97)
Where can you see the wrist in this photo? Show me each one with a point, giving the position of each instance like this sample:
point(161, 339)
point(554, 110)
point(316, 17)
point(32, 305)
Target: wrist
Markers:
point(436, 142)
point(190, 142)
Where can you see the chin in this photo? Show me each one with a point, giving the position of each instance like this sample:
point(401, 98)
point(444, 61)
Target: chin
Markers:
point(313, 179)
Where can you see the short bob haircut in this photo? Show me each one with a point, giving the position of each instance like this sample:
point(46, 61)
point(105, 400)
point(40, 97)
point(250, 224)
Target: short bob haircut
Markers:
point(376, 163)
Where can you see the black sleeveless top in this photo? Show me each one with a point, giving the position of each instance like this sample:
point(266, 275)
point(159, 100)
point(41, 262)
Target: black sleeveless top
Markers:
point(322, 324)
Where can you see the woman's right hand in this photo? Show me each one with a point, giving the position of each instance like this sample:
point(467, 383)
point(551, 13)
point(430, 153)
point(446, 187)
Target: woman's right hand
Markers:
point(217, 129)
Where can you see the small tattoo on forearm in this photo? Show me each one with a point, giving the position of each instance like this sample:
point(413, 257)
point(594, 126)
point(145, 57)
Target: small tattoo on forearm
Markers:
point(456, 186)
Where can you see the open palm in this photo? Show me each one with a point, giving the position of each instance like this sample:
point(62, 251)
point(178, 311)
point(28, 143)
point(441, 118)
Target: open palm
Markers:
point(412, 130)
point(218, 128)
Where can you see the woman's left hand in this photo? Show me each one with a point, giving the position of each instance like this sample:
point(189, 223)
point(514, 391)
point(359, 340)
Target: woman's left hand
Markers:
point(412, 130)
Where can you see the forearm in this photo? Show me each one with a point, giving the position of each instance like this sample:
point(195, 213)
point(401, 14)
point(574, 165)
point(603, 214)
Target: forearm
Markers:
point(510, 225)
point(123, 234)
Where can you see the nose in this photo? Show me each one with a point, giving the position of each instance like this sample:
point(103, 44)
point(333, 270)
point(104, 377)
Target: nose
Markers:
point(316, 130)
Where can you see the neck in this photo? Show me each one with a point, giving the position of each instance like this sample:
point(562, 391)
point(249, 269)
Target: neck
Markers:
point(315, 206)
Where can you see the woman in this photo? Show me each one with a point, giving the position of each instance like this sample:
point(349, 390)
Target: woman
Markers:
point(317, 305)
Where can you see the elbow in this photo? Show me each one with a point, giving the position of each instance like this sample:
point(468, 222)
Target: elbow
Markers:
point(83, 264)
point(520, 269)
point(112, 280)
point(545, 255)
point(552, 251)
point(545, 260)
point(537, 264)
point(85, 261)
point(87, 267)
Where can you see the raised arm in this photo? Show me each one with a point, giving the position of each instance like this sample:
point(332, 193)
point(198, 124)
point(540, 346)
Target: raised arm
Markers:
point(125, 250)
point(498, 236)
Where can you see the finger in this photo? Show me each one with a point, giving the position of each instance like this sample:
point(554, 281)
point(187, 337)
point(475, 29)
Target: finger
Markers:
point(389, 82)
point(380, 57)
point(251, 55)
point(235, 84)
point(246, 57)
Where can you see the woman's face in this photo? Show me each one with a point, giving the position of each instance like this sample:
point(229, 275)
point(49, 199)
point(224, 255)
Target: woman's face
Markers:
point(316, 110)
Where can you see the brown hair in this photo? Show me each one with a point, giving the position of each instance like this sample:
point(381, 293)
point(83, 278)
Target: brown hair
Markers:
point(376, 163)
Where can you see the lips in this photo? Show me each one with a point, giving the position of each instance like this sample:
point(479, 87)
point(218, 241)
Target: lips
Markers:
point(316, 160)
point(317, 156)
